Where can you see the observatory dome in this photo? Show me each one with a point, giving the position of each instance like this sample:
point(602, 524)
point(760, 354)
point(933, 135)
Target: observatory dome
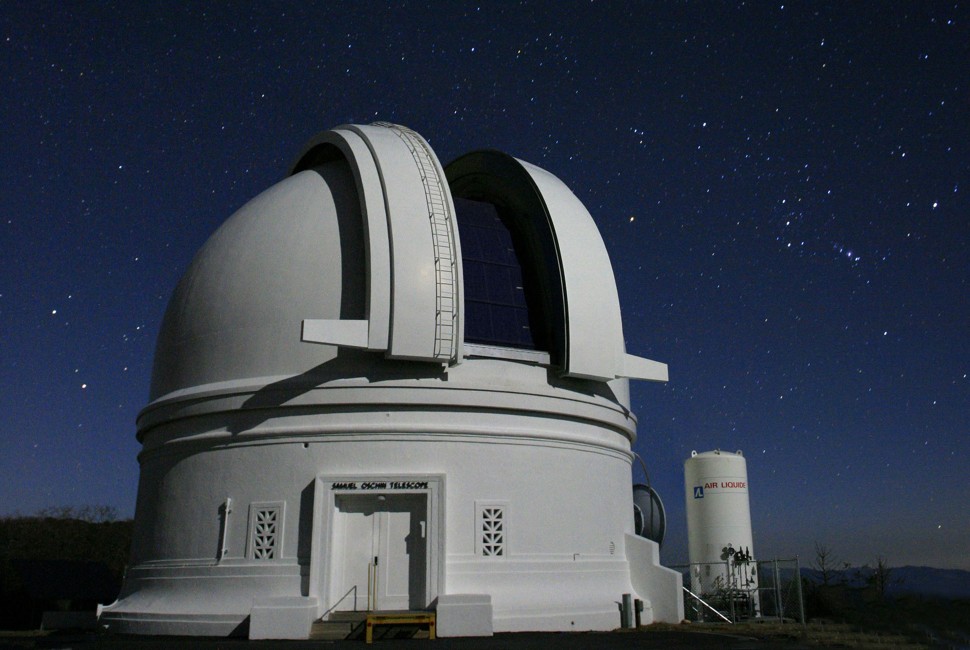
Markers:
point(288, 254)
point(360, 249)
point(369, 331)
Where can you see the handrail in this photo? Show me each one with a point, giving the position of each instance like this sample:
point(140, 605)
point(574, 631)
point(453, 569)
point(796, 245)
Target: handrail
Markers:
point(334, 606)
point(224, 510)
point(701, 601)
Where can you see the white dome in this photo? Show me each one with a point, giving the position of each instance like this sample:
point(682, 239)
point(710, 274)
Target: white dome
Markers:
point(346, 244)
point(237, 312)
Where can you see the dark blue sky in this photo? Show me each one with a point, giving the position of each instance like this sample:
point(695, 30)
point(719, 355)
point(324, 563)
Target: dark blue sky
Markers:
point(783, 189)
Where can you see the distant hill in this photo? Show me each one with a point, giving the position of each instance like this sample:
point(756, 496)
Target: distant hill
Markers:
point(952, 584)
point(927, 582)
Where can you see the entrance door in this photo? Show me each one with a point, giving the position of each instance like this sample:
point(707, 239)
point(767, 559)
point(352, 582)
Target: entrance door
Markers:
point(380, 546)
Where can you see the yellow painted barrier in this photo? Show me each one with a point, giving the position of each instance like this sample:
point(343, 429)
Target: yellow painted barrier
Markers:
point(403, 618)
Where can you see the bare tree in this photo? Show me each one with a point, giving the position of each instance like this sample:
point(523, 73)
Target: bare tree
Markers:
point(881, 576)
point(825, 562)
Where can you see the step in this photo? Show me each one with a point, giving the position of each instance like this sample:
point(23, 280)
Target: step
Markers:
point(337, 626)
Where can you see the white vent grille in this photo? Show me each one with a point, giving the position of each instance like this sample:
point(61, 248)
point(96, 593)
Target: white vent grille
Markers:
point(492, 523)
point(493, 532)
point(265, 526)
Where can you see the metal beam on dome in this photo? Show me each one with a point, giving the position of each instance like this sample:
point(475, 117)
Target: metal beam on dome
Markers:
point(639, 368)
point(348, 333)
point(413, 255)
point(373, 333)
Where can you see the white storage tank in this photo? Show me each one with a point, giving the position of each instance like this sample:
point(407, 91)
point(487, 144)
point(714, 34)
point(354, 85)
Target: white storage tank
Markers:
point(720, 543)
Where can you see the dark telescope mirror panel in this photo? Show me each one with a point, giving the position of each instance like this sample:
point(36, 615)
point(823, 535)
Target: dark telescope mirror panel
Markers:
point(496, 286)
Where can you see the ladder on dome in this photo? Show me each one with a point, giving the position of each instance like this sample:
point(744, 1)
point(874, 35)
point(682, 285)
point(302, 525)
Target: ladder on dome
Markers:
point(443, 236)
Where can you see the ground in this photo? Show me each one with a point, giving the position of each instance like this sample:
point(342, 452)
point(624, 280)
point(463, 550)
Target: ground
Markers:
point(656, 637)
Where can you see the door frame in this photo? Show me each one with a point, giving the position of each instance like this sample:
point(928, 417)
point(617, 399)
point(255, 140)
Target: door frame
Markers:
point(328, 487)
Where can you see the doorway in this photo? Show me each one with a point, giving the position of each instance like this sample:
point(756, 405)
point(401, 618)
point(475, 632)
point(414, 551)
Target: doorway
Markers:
point(380, 545)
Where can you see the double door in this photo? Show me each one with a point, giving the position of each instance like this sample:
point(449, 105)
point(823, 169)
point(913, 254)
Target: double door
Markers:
point(381, 548)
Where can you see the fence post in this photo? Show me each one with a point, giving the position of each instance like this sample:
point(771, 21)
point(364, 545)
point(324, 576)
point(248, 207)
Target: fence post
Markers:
point(801, 600)
point(778, 599)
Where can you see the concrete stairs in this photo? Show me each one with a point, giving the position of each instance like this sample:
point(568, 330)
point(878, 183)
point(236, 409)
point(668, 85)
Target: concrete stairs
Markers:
point(351, 625)
point(339, 625)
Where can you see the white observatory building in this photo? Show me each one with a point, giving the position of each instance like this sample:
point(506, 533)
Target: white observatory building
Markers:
point(387, 385)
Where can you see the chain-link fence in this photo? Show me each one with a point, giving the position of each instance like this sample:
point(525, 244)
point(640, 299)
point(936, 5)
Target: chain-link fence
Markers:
point(736, 591)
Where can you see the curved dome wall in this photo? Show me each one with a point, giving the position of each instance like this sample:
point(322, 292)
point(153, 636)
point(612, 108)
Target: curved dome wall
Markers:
point(291, 253)
point(312, 385)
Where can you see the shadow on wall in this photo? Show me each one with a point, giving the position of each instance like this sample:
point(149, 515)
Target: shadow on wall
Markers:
point(371, 367)
point(304, 543)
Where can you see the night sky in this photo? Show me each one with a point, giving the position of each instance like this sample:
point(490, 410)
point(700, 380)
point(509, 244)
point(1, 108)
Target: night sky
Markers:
point(783, 190)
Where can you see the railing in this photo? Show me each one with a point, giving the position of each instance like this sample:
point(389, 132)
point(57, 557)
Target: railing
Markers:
point(334, 606)
point(762, 589)
point(702, 602)
point(372, 585)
